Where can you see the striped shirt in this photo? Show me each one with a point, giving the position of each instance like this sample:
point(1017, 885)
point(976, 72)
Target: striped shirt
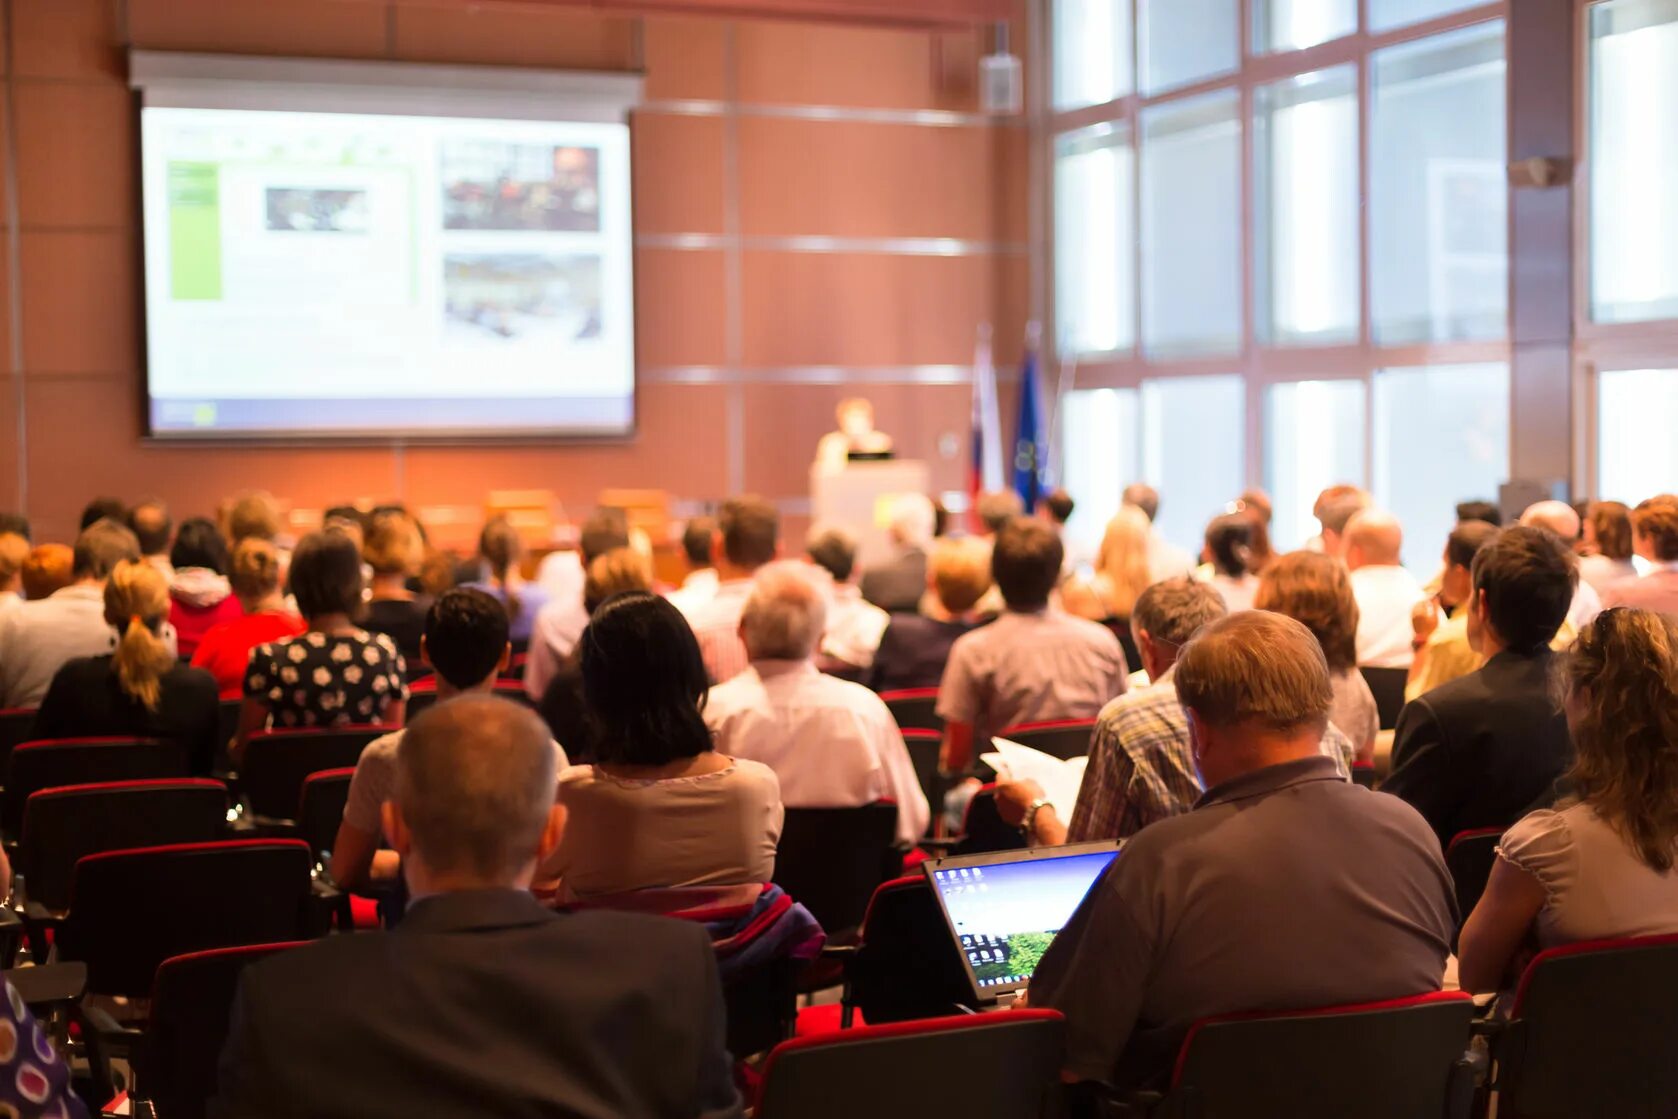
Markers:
point(716, 625)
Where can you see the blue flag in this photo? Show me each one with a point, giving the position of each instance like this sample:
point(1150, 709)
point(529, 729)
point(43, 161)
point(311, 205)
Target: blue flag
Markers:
point(1030, 453)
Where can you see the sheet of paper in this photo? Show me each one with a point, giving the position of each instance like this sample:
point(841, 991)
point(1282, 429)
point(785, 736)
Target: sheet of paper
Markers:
point(1060, 779)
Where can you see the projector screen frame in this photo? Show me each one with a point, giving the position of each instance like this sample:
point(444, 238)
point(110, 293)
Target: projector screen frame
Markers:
point(201, 80)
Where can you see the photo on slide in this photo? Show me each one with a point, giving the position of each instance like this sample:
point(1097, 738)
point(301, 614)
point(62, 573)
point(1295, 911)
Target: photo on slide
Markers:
point(498, 184)
point(522, 296)
point(316, 210)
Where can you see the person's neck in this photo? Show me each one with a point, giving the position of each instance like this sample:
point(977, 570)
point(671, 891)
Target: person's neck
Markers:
point(700, 570)
point(391, 586)
point(733, 573)
point(446, 690)
point(424, 883)
point(1157, 666)
point(96, 584)
point(1038, 609)
point(267, 604)
point(1490, 643)
point(335, 623)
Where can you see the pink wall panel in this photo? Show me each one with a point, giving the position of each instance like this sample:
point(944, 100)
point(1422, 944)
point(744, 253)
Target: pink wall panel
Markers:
point(67, 39)
point(685, 58)
point(81, 306)
point(511, 36)
point(299, 27)
point(822, 64)
point(678, 172)
point(80, 175)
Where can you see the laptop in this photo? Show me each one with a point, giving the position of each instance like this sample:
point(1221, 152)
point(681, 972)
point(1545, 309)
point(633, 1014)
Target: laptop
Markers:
point(1003, 908)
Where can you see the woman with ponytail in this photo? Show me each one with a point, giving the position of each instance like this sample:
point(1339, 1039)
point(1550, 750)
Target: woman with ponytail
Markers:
point(226, 649)
point(140, 689)
point(500, 552)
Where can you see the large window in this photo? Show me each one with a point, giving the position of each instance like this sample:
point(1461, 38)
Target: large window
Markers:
point(1385, 14)
point(1095, 302)
point(1636, 454)
point(1313, 439)
point(1187, 41)
point(1290, 25)
point(1193, 451)
point(1101, 441)
point(1438, 189)
point(1634, 160)
point(1092, 52)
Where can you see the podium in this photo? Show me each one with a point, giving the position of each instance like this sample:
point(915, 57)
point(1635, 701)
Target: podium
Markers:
point(859, 499)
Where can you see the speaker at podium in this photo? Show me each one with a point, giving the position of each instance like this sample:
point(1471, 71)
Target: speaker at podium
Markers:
point(856, 481)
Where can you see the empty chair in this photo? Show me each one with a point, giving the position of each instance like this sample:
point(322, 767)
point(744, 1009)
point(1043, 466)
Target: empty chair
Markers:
point(904, 966)
point(17, 725)
point(983, 1066)
point(131, 910)
point(1469, 858)
point(62, 825)
point(320, 807)
point(924, 747)
point(1387, 686)
point(983, 830)
point(831, 860)
point(51, 764)
point(914, 708)
point(1063, 738)
point(277, 761)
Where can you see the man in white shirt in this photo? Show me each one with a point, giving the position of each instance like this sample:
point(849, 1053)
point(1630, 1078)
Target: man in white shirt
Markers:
point(748, 536)
point(1384, 590)
point(1165, 560)
point(699, 586)
point(1560, 518)
point(854, 627)
point(38, 637)
point(832, 744)
point(559, 625)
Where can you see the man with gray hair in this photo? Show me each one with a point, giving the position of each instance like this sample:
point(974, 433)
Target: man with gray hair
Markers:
point(832, 743)
point(482, 1001)
point(1385, 591)
point(854, 627)
point(1285, 887)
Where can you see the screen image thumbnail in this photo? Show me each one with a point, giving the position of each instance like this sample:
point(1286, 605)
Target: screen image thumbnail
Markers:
point(522, 296)
point(1018, 955)
point(315, 210)
point(503, 185)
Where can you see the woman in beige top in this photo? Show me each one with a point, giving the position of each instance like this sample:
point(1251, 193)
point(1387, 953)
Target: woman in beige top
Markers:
point(1601, 864)
point(660, 808)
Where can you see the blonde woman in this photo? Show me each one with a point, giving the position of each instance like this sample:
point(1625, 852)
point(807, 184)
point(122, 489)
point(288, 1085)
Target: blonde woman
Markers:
point(394, 551)
point(1121, 575)
point(139, 689)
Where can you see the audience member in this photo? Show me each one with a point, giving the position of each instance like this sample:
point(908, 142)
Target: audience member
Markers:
point(47, 570)
point(561, 623)
point(347, 519)
point(1479, 511)
point(996, 510)
point(1229, 554)
point(1055, 510)
point(1479, 751)
point(17, 524)
point(854, 627)
point(335, 673)
point(200, 596)
point(748, 537)
point(896, 585)
point(482, 1001)
point(562, 706)
point(1032, 663)
point(699, 582)
point(35, 1080)
point(103, 508)
point(1607, 546)
point(500, 551)
point(254, 514)
point(1348, 887)
point(1165, 560)
point(1122, 573)
point(1440, 644)
point(14, 554)
point(152, 526)
point(1334, 510)
point(916, 646)
point(832, 743)
point(1655, 533)
point(1600, 865)
point(1256, 506)
point(1315, 590)
point(465, 641)
point(225, 651)
point(38, 637)
point(141, 690)
point(1385, 591)
point(1560, 518)
point(659, 807)
point(394, 551)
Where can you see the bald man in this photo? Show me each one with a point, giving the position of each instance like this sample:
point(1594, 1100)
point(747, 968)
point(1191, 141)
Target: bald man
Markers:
point(1563, 520)
point(483, 1001)
point(1385, 591)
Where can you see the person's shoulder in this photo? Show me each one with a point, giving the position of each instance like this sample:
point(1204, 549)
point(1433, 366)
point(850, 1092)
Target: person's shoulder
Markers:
point(755, 773)
point(1378, 809)
point(381, 751)
point(297, 975)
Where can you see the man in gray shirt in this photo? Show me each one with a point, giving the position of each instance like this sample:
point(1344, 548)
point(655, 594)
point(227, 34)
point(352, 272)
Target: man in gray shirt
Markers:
point(1286, 887)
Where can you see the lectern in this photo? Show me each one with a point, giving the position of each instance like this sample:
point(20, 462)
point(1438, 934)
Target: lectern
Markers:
point(859, 498)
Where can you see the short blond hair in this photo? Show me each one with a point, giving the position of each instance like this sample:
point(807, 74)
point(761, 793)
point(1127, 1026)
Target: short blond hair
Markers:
point(1257, 668)
point(617, 572)
point(960, 572)
point(46, 569)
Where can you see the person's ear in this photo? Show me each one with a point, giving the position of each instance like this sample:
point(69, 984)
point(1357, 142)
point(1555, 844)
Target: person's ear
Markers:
point(505, 659)
point(425, 652)
point(401, 840)
point(552, 832)
point(718, 555)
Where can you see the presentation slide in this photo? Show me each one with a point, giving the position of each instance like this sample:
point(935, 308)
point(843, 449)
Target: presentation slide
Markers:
point(330, 274)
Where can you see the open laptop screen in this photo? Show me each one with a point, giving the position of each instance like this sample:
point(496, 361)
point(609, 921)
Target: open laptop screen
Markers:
point(1004, 909)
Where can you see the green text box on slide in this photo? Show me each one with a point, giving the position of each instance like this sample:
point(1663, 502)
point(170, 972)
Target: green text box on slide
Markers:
point(194, 231)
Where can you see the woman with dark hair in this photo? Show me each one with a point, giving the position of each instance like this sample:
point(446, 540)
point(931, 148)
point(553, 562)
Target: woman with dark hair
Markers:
point(334, 673)
point(1606, 546)
point(659, 808)
point(201, 597)
point(1229, 552)
point(1601, 863)
point(500, 551)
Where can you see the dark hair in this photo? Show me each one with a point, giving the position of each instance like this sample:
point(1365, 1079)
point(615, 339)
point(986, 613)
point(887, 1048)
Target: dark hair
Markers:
point(751, 529)
point(101, 508)
point(644, 682)
point(1610, 521)
point(1528, 577)
point(1466, 540)
point(326, 575)
point(1479, 511)
point(151, 525)
point(1059, 503)
point(696, 540)
point(100, 547)
point(606, 530)
point(199, 543)
point(465, 635)
point(1229, 539)
point(834, 552)
point(1025, 563)
point(17, 524)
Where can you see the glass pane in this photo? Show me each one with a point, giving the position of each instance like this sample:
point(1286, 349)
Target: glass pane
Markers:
point(1636, 456)
point(1396, 13)
point(1191, 226)
point(1092, 52)
point(1438, 190)
point(1193, 451)
point(1095, 292)
point(1290, 25)
point(1441, 436)
point(1101, 457)
point(1187, 41)
point(1313, 439)
point(1306, 146)
point(1634, 160)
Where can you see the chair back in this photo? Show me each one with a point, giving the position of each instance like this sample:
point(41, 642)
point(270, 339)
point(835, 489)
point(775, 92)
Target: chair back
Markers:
point(1363, 774)
point(1469, 857)
point(1387, 686)
point(831, 860)
point(924, 748)
point(131, 910)
point(321, 808)
point(62, 825)
point(914, 708)
point(1399, 1059)
point(227, 727)
point(906, 966)
point(422, 694)
point(53, 763)
point(1593, 1033)
point(192, 1002)
point(983, 1066)
point(983, 830)
point(276, 763)
point(17, 726)
point(1061, 738)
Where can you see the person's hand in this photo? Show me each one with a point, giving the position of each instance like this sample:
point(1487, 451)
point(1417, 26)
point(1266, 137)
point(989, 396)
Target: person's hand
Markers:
point(1015, 798)
point(1424, 618)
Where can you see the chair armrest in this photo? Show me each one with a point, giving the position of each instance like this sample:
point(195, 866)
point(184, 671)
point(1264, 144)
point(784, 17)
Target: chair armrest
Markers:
point(106, 1039)
point(839, 952)
point(328, 903)
point(49, 985)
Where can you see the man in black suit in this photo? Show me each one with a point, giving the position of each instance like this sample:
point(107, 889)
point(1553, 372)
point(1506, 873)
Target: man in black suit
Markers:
point(483, 1002)
point(1480, 751)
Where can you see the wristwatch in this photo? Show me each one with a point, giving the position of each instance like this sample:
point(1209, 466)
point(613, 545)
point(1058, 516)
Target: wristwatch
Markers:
point(1029, 822)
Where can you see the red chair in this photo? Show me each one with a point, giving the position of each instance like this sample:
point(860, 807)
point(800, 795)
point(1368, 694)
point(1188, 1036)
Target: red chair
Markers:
point(1363, 773)
point(904, 965)
point(924, 748)
point(983, 1066)
point(17, 726)
point(1469, 857)
point(914, 708)
point(320, 808)
point(52, 764)
point(1062, 738)
point(1592, 1034)
point(423, 694)
point(832, 859)
point(982, 828)
point(277, 762)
